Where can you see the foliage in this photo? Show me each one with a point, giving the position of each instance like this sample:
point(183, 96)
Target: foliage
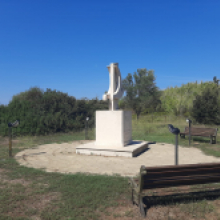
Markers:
point(48, 112)
point(121, 103)
point(215, 80)
point(140, 92)
point(179, 100)
point(206, 108)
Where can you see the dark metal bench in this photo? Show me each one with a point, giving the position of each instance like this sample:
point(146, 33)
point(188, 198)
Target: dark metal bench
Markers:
point(203, 132)
point(171, 176)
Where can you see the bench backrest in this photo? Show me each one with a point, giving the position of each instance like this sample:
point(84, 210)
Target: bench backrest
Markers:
point(170, 176)
point(202, 131)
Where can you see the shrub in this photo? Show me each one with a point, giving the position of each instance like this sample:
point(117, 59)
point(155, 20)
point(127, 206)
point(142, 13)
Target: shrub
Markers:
point(206, 108)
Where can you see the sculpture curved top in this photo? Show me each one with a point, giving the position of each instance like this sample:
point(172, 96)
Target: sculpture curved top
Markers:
point(115, 91)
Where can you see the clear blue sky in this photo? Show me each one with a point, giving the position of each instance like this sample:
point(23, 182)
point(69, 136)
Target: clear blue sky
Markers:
point(66, 45)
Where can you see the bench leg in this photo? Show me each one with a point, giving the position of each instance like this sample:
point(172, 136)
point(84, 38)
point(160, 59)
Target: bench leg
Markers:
point(212, 140)
point(132, 197)
point(141, 207)
point(182, 136)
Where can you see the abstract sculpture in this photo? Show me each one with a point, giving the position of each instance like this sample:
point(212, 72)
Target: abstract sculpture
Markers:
point(113, 128)
point(115, 91)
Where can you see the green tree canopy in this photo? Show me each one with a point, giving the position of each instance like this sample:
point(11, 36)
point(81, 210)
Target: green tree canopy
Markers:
point(141, 92)
point(48, 112)
point(206, 108)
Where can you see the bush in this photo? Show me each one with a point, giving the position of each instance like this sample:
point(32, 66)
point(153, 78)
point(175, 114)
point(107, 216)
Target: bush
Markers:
point(206, 108)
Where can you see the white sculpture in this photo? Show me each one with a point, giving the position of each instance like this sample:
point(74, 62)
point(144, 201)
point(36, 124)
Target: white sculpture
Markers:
point(115, 91)
point(113, 128)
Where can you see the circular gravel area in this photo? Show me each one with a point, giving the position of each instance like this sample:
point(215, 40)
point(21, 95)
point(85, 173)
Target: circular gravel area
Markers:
point(63, 158)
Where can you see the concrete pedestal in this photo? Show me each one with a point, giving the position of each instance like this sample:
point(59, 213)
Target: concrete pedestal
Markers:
point(131, 150)
point(113, 136)
point(113, 128)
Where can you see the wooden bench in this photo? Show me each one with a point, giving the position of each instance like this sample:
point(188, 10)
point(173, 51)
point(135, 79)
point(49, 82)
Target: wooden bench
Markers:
point(171, 176)
point(203, 132)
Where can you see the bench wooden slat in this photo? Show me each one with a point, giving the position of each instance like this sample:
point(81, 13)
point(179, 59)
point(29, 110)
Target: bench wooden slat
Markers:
point(181, 182)
point(185, 172)
point(181, 167)
point(204, 134)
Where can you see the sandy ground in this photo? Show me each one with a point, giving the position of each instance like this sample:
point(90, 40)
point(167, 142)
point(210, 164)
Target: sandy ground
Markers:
point(62, 158)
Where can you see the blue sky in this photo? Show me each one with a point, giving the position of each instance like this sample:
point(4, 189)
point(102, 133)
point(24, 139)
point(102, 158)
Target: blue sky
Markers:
point(66, 45)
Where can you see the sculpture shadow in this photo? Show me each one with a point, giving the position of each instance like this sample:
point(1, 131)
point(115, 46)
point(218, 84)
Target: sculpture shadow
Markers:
point(139, 142)
point(175, 198)
point(134, 142)
point(145, 149)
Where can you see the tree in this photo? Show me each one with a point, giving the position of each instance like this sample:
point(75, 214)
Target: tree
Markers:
point(206, 108)
point(121, 103)
point(47, 112)
point(141, 92)
point(215, 80)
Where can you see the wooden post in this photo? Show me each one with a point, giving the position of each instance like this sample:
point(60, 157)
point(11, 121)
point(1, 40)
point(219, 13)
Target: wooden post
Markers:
point(176, 150)
point(189, 121)
point(10, 141)
point(86, 130)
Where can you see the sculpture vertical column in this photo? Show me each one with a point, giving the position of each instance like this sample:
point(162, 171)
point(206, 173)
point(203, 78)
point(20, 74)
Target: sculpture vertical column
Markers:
point(115, 91)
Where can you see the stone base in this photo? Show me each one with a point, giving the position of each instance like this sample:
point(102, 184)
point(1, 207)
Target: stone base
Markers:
point(131, 150)
point(113, 128)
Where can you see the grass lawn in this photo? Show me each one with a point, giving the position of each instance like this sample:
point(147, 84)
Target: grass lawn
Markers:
point(28, 193)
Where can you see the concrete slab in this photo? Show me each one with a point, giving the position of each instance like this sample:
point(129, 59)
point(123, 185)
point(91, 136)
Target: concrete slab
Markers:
point(131, 150)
